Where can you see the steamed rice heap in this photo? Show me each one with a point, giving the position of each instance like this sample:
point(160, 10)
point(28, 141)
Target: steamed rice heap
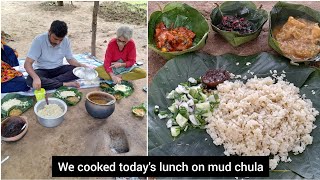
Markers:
point(262, 118)
point(51, 111)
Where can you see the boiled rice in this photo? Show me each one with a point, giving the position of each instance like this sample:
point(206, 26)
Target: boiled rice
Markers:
point(51, 111)
point(262, 118)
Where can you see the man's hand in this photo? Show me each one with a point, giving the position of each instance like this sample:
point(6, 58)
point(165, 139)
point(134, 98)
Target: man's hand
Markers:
point(75, 63)
point(84, 65)
point(117, 65)
point(36, 84)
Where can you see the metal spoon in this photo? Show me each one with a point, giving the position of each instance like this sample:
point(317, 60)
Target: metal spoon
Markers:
point(5, 159)
point(46, 97)
point(24, 126)
point(111, 102)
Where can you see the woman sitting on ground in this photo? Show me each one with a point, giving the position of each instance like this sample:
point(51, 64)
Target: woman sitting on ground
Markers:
point(11, 79)
point(120, 59)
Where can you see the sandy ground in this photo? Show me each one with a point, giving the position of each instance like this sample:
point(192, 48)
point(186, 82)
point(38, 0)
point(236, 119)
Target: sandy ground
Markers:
point(79, 134)
point(216, 45)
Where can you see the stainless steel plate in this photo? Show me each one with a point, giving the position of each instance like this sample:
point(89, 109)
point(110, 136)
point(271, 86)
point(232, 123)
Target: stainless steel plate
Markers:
point(85, 73)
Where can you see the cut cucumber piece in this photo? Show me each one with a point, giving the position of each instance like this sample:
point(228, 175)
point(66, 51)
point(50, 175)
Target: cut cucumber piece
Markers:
point(175, 131)
point(182, 121)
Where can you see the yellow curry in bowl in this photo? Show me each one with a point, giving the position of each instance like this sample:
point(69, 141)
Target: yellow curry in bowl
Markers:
point(298, 38)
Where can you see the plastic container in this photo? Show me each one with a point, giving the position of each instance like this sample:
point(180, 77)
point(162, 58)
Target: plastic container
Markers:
point(40, 94)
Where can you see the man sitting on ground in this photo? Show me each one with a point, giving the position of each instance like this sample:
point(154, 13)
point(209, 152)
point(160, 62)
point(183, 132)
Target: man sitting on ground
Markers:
point(46, 56)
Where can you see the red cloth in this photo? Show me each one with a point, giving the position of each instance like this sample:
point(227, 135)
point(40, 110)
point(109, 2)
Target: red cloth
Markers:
point(113, 54)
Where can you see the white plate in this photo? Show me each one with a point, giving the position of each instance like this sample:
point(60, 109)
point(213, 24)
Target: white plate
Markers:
point(85, 73)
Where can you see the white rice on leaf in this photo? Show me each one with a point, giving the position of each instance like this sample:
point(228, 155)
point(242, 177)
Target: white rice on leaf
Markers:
point(65, 94)
point(262, 118)
point(13, 102)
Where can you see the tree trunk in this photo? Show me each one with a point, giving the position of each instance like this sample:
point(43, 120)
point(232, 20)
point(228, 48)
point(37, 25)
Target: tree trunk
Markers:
point(94, 27)
point(60, 3)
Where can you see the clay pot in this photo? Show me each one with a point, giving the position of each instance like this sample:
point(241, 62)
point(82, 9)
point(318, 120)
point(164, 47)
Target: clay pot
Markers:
point(100, 104)
point(8, 126)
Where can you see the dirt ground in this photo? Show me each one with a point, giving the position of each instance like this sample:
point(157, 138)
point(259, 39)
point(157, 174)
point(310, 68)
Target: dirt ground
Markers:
point(79, 134)
point(216, 45)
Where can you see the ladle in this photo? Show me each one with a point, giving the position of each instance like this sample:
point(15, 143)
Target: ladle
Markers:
point(46, 97)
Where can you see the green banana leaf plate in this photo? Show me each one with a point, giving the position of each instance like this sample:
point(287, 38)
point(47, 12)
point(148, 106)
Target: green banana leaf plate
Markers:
point(196, 142)
point(139, 110)
point(178, 14)
point(26, 100)
point(244, 9)
point(70, 100)
point(110, 88)
point(279, 16)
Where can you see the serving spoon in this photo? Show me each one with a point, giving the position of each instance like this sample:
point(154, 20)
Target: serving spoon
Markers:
point(46, 97)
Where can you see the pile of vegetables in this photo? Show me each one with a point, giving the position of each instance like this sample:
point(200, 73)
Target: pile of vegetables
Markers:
point(191, 105)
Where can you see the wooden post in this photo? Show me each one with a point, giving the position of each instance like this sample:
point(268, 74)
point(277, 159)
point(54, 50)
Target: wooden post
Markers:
point(60, 3)
point(94, 27)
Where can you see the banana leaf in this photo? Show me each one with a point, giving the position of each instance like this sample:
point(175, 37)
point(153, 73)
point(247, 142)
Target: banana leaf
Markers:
point(68, 100)
point(139, 110)
point(197, 142)
point(28, 100)
point(279, 16)
point(178, 14)
point(109, 88)
point(244, 9)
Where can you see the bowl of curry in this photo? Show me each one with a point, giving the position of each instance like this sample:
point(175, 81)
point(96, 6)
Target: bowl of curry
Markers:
point(100, 105)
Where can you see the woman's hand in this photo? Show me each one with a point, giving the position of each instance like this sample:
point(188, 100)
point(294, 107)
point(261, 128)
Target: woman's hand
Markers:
point(117, 65)
point(116, 79)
